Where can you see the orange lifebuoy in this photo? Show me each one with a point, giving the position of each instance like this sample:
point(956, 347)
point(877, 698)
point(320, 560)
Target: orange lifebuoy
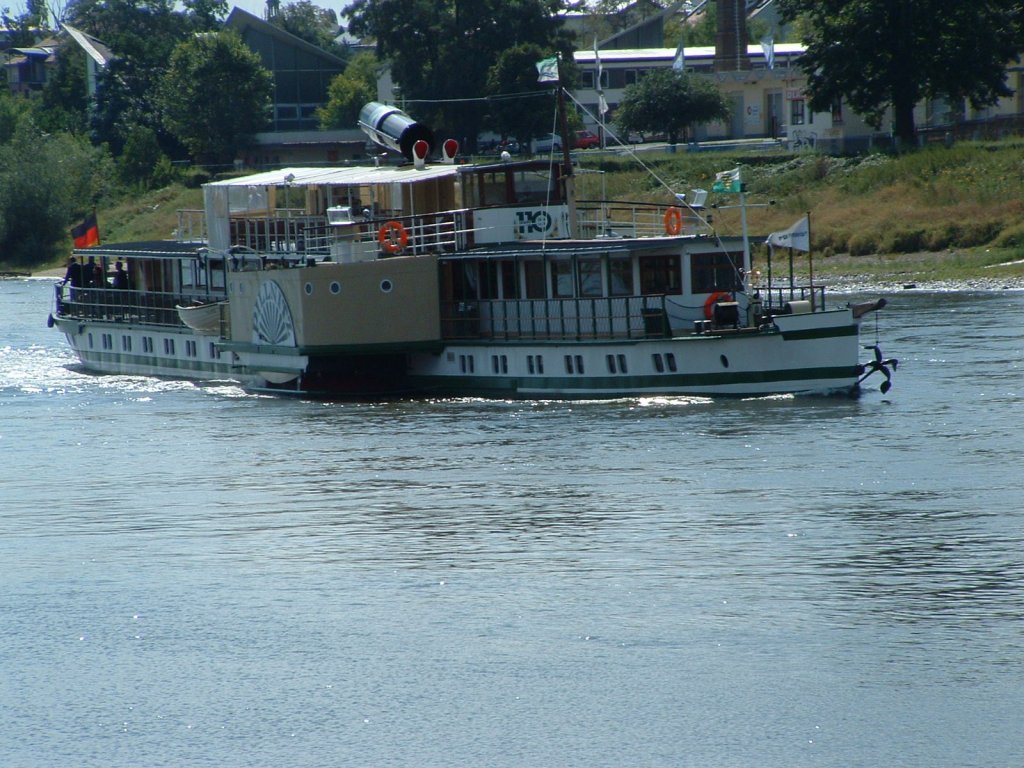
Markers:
point(393, 237)
point(714, 298)
point(673, 221)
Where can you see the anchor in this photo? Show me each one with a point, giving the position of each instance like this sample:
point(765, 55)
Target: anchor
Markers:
point(878, 365)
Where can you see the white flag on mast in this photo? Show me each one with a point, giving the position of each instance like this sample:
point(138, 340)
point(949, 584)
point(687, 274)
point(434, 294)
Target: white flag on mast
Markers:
point(798, 236)
point(547, 70)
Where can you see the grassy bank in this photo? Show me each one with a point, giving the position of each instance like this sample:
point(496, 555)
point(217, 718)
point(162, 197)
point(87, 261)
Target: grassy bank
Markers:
point(939, 214)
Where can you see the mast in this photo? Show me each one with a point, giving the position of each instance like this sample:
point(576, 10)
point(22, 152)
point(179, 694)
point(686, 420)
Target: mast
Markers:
point(568, 179)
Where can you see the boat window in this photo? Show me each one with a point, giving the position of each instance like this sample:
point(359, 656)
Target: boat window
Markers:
point(126, 343)
point(590, 277)
point(715, 271)
point(568, 364)
point(535, 280)
point(499, 363)
point(670, 358)
point(610, 361)
point(540, 364)
point(561, 279)
point(529, 364)
point(622, 364)
point(534, 187)
point(579, 363)
point(659, 364)
point(620, 277)
point(509, 283)
point(660, 274)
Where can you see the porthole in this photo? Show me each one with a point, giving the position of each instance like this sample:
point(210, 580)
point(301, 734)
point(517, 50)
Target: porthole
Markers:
point(725, 361)
point(386, 286)
point(309, 289)
point(335, 287)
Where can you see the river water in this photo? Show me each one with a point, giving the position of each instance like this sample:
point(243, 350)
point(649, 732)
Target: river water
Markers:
point(195, 576)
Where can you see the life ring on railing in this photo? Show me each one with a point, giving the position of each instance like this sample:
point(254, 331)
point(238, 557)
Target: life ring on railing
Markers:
point(393, 237)
point(714, 298)
point(673, 221)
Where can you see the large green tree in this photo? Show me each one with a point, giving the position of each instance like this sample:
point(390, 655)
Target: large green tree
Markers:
point(669, 101)
point(440, 50)
point(46, 180)
point(519, 107)
point(349, 91)
point(881, 54)
point(215, 95)
point(312, 23)
point(142, 34)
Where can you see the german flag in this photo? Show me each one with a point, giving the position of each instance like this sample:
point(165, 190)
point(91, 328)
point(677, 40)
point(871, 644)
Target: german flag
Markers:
point(86, 234)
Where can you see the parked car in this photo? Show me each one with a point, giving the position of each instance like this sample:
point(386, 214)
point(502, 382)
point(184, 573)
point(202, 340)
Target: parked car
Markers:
point(550, 143)
point(587, 140)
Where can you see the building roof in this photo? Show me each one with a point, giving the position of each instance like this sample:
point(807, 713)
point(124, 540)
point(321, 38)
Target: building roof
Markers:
point(240, 20)
point(652, 55)
point(93, 48)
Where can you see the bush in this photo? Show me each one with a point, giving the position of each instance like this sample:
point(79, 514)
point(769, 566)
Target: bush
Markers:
point(863, 244)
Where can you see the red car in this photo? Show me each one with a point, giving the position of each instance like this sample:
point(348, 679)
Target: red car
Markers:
point(587, 140)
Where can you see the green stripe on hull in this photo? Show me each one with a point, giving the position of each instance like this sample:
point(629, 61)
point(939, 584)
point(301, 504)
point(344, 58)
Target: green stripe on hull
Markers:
point(737, 384)
point(147, 365)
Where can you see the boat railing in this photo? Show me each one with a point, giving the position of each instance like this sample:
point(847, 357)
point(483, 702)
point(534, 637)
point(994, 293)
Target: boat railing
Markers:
point(191, 226)
point(611, 219)
point(122, 305)
point(296, 239)
point(778, 298)
point(619, 317)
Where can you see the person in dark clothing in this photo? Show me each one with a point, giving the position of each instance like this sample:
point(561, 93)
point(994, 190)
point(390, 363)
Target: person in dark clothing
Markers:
point(89, 273)
point(74, 274)
point(120, 276)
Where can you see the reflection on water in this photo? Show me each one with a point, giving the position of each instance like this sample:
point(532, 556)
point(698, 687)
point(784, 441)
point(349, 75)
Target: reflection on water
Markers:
point(755, 579)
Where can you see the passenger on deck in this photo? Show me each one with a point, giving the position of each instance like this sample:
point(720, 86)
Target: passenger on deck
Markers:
point(120, 276)
point(74, 274)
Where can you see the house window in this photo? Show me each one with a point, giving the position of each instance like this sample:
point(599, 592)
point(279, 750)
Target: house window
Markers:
point(796, 112)
point(837, 112)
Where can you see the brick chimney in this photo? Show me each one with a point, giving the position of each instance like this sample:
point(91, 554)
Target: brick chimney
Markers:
point(731, 38)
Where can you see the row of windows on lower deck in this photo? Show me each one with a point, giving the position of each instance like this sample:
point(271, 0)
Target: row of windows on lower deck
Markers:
point(590, 276)
point(191, 347)
point(574, 364)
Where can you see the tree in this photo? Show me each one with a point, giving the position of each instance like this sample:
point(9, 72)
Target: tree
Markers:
point(215, 95)
point(142, 34)
point(440, 50)
point(311, 23)
point(669, 101)
point(349, 91)
point(878, 54)
point(517, 107)
point(45, 180)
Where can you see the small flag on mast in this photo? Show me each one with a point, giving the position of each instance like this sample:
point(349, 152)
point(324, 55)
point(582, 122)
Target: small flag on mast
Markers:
point(602, 103)
point(547, 70)
point(86, 234)
point(728, 181)
point(679, 62)
point(768, 48)
point(797, 236)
